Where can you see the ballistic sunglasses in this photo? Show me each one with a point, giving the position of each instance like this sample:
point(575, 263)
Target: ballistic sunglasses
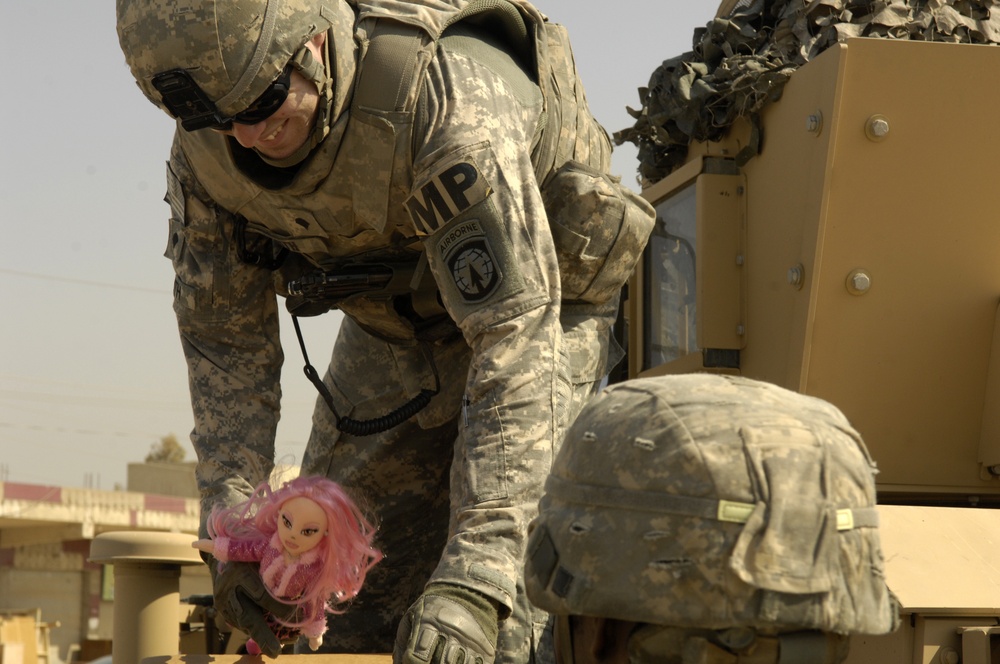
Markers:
point(188, 103)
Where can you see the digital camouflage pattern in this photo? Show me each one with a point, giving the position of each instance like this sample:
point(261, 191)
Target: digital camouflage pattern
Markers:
point(455, 487)
point(712, 502)
point(659, 644)
point(255, 40)
point(742, 59)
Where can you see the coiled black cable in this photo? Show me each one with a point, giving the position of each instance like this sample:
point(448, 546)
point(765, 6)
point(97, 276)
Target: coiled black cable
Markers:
point(377, 424)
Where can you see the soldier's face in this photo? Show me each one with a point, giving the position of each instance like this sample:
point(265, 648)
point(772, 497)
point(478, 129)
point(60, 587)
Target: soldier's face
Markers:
point(284, 132)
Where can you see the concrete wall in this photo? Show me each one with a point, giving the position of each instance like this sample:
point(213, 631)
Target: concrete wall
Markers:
point(165, 479)
point(45, 536)
point(56, 593)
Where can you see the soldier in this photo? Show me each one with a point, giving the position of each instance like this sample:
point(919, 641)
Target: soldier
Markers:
point(706, 519)
point(433, 171)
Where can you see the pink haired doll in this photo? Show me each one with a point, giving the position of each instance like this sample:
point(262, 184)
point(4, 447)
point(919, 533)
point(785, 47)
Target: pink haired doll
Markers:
point(312, 542)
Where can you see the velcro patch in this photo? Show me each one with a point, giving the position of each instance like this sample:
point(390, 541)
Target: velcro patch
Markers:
point(454, 188)
point(473, 262)
point(467, 252)
point(175, 196)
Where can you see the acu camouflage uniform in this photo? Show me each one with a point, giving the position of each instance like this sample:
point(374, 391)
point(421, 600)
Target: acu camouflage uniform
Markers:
point(442, 175)
point(732, 516)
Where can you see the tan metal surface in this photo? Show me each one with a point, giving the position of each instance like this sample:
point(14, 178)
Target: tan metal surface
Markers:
point(871, 278)
point(283, 659)
point(989, 436)
point(907, 360)
point(720, 274)
point(147, 569)
point(877, 183)
point(942, 560)
point(138, 546)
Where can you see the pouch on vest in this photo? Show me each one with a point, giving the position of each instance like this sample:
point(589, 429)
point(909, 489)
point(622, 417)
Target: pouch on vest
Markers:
point(599, 228)
point(789, 543)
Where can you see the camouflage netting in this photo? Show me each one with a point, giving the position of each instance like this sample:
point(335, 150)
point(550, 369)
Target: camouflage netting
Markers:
point(742, 60)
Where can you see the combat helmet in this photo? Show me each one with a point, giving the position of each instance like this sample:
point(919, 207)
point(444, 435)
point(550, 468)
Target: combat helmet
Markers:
point(204, 61)
point(713, 503)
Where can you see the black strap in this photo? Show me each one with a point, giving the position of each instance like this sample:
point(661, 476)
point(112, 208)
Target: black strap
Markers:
point(377, 424)
point(259, 251)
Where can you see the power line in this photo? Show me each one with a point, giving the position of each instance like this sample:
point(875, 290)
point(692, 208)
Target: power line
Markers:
point(82, 282)
point(60, 382)
point(21, 389)
point(90, 400)
point(41, 428)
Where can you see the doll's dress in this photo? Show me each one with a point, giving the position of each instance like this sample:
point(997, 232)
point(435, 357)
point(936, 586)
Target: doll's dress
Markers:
point(286, 581)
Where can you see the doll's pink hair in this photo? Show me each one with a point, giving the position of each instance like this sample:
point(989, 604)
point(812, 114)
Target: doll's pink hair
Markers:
point(346, 551)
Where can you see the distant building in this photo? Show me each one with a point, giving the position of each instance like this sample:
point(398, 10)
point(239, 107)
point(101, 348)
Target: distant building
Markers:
point(45, 535)
point(166, 479)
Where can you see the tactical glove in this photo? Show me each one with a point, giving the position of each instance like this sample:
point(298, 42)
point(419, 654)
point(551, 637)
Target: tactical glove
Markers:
point(244, 603)
point(448, 624)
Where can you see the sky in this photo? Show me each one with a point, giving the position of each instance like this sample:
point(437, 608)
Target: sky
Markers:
point(91, 371)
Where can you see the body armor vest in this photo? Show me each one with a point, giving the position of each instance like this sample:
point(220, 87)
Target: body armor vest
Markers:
point(345, 203)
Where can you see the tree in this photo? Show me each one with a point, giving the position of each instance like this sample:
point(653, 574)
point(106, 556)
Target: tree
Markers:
point(168, 450)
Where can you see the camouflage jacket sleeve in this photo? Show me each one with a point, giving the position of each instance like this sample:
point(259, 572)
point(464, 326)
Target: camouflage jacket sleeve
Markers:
point(492, 255)
point(227, 317)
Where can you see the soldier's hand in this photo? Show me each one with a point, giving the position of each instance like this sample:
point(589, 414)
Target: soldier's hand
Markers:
point(244, 603)
point(448, 624)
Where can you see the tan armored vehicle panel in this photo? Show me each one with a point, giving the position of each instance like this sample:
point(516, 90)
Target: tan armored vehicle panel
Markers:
point(855, 258)
point(847, 245)
point(284, 659)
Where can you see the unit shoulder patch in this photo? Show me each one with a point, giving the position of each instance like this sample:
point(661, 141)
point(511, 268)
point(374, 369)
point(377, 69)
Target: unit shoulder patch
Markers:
point(467, 252)
point(474, 261)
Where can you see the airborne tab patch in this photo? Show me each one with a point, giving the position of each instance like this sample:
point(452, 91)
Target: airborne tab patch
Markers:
point(452, 190)
point(473, 262)
point(467, 252)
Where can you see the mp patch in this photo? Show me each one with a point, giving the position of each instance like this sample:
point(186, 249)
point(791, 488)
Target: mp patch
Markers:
point(470, 258)
point(452, 189)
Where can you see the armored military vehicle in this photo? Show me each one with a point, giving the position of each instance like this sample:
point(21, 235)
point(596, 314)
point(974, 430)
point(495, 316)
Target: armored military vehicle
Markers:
point(828, 219)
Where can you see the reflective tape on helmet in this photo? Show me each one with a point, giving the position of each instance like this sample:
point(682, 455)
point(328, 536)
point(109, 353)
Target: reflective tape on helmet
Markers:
point(729, 511)
point(733, 512)
point(847, 518)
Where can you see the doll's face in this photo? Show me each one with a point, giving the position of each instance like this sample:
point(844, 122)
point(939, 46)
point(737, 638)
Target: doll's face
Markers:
point(301, 525)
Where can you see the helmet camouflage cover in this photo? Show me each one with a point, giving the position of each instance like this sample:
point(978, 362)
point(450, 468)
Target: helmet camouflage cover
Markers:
point(712, 502)
point(232, 49)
